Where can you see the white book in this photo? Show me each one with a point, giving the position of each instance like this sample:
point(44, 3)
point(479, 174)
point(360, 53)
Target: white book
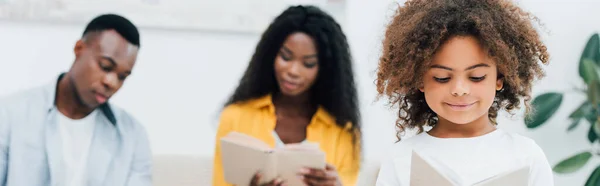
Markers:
point(243, 156)
point(423, 174)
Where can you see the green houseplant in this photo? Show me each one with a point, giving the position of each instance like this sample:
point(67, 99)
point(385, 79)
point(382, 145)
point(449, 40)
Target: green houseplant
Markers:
point(545, 105)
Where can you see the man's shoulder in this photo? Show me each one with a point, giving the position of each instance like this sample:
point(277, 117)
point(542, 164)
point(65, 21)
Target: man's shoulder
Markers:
point(125, 120)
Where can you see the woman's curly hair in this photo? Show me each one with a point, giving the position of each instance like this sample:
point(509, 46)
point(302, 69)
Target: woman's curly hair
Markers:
point(334, 88)
point(420, 27)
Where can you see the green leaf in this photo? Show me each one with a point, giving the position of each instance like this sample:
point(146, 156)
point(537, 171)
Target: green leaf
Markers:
point(592, 135)
point(594, 179)
point(544, 107)
point(589, 71)
point(574, 124)
point(594, 92)
point(586, 111)
point(591, 116)
point(584, 108)
point(596, 127)
point(572, 163)
point(591, 52)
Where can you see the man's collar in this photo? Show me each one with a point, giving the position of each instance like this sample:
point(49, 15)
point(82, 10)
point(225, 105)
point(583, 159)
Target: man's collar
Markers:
point(51, 100)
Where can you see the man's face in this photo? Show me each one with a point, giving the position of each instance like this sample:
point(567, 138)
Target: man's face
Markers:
point(103, 61)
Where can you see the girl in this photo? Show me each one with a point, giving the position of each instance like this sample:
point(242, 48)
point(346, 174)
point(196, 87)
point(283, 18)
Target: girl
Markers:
point(451, 65)
point(299, 87)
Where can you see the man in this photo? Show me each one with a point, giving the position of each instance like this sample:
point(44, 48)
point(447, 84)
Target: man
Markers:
point(66, 133)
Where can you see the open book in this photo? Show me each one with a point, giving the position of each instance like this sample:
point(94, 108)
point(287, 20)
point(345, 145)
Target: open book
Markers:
point(423, 174)
point(243, 156)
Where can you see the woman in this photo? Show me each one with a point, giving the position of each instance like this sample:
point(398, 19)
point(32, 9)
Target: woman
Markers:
point(299, 86)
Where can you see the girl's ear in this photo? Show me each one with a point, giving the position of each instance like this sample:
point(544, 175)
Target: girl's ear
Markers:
point(499, 84)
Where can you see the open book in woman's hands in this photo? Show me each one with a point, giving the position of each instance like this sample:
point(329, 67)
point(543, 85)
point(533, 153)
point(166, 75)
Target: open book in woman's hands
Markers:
point(423, 174)
point(243, 156)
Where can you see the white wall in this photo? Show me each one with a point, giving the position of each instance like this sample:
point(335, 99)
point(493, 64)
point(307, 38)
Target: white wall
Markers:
point(196, 71)
point(178, 84)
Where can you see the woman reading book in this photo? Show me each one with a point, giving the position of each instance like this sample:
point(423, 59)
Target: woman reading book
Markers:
point(450, 66)
point(299, 87)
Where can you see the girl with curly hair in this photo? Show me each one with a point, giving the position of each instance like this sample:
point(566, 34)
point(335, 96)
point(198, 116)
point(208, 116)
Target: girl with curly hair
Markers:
point(299, 87)
point(450, 66)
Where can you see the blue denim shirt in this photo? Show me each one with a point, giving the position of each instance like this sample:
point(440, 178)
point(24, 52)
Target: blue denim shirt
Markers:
point(31, 148)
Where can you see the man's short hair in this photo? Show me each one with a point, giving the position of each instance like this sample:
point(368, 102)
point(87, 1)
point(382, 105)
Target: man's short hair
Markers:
point(115, 22)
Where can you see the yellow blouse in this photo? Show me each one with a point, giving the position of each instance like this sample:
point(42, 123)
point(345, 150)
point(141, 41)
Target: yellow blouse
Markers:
point(257, 118)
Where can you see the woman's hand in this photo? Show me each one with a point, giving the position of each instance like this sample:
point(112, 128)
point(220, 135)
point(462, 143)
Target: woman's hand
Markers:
point(320, 177)
point(257, 177)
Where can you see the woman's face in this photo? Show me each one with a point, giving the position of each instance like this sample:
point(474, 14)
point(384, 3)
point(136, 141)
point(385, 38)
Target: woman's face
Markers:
point(296, 64)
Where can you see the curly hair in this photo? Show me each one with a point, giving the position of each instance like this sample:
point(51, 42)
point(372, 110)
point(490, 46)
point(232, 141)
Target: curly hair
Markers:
point(420, 27)
point(334, 89)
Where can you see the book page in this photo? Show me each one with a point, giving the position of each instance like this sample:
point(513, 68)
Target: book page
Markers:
point(423, 174)
point(242, 157)
point(519, 177)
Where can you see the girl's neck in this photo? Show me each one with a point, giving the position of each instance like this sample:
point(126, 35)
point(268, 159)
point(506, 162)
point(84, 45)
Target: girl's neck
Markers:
point(447, 129)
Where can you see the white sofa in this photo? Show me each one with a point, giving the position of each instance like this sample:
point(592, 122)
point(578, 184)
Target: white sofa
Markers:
point(182, 170)
point(189, 170)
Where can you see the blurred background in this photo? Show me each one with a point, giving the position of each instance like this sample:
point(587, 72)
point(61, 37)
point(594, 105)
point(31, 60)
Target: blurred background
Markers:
point(194, 52)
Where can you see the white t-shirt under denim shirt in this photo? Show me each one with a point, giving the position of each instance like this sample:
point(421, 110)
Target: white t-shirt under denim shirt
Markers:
point(76, 136)
point(467, 160)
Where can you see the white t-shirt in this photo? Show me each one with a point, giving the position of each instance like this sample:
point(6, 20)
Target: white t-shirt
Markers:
point(467, 161)
point(76, 137)
point(278, 142)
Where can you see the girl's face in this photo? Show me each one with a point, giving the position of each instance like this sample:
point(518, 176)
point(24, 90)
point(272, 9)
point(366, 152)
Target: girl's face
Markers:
point(461, 83)
point(296, 64)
